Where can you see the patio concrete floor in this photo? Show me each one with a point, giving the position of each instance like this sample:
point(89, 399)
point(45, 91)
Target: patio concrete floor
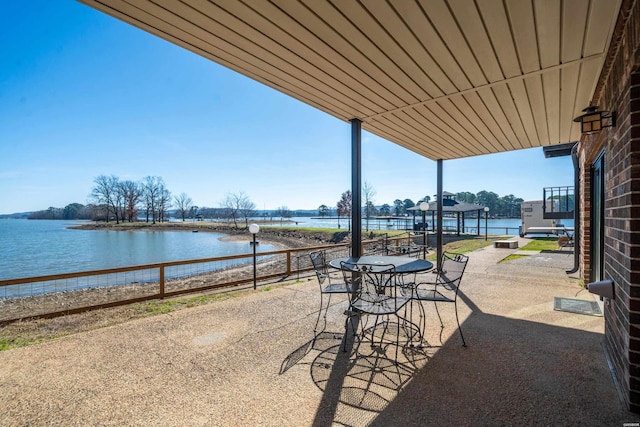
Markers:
point(250, 361)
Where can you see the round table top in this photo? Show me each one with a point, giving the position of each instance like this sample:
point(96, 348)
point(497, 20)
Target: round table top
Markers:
point(401, 263)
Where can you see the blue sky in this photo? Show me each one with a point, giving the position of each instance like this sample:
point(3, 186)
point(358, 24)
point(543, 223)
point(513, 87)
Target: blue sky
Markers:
point(83, 94)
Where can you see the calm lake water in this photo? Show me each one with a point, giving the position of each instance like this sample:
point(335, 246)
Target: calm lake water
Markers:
point(35, 248)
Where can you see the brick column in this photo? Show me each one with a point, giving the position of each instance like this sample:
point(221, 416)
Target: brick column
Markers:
point(626, 237)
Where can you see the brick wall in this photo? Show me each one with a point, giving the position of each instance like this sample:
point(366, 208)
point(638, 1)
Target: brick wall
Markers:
point(619, 91)
point(625, 231)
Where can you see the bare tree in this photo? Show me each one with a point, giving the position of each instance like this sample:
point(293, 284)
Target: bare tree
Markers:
point(367, 194)
point(344, 206)
point(156, 198)
point(236, 205)
point(131, 194)
point(283, 212)
point(149, 196)
point(247, 209)
point(184, 204)
point(106, 193)
point(164, 203)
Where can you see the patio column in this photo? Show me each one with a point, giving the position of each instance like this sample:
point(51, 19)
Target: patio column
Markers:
point(439, 209)
point(576, 209)
point(356, 187)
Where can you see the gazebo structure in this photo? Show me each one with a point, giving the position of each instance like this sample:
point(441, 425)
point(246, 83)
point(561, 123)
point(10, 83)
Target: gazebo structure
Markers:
point(450, 206)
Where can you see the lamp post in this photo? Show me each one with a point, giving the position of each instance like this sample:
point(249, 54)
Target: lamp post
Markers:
point(253, 229)
point(424, 206)
point(486, 222)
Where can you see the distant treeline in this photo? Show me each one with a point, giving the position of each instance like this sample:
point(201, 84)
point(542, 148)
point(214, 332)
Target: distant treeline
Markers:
point(114, 199)
point(96, 213)
point(71, 211)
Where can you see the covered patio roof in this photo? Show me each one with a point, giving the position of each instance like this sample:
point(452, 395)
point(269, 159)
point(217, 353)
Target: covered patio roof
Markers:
point(443, 78)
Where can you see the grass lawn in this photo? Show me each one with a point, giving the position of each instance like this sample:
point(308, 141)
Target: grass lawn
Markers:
point(464, 246)
point(542, 244)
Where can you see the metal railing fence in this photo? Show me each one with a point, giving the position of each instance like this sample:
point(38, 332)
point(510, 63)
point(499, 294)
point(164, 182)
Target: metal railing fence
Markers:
point(69, 293)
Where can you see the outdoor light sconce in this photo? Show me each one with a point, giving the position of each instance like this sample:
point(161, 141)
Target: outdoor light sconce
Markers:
point(593, 120)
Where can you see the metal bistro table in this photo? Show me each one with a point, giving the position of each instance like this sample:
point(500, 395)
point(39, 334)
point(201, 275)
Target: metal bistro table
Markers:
point(403, 265)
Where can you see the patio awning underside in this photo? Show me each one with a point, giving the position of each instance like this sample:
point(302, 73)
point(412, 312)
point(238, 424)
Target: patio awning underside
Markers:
point(443, 78)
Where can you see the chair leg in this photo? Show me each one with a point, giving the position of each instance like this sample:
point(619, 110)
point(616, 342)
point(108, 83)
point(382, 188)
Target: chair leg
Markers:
point(373, 333)
point(346, 330)
point(411, 320)
point(438, 312)
point(324, 326)
point(315, 328)
point(326, 309)
point(464, 344)
point(423, 322)
point(408, 324)
point(346, 333)
point(395, 360)
point(441, 324)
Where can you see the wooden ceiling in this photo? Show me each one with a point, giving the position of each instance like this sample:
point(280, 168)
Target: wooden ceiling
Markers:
point(443, 78)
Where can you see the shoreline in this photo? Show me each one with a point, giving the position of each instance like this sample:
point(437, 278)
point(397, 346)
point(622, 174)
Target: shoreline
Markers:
point(279, 237)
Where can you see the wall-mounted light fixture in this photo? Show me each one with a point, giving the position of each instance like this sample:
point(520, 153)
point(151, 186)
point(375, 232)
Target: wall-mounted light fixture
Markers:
point(594, 120)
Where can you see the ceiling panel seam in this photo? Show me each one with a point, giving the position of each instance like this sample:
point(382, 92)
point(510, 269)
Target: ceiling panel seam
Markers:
point(491, 85)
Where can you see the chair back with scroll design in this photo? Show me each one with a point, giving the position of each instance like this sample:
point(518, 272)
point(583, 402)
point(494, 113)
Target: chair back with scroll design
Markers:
point(375, 295)
point(327, 286)
point(446, 285)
